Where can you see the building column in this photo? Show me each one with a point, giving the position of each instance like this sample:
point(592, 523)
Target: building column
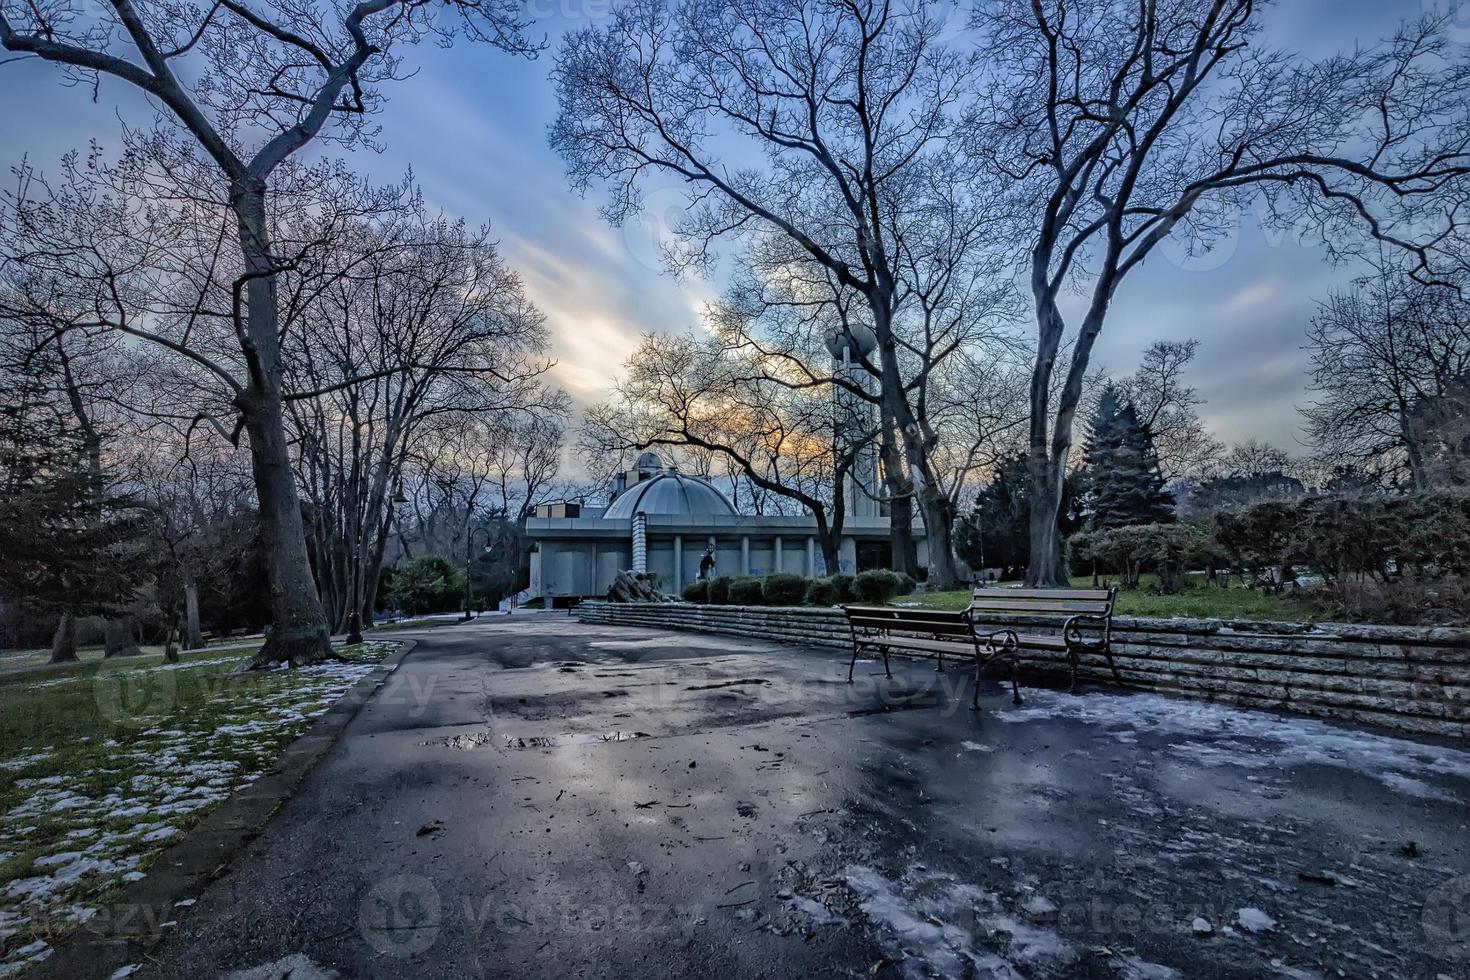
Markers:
point(678, 565)
point(777, 560)
point(811, 557)
point(745, 555)
point(640, 542)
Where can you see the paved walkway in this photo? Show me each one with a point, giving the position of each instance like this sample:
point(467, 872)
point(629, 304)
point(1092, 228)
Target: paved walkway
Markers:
point(530, 797)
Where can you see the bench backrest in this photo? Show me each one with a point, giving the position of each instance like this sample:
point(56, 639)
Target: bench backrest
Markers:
point(1043, 602)
point(936, 621)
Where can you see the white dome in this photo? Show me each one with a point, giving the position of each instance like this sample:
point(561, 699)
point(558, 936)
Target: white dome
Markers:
point(670, 492)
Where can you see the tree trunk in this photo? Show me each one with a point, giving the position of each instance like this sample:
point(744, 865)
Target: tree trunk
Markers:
point(298, 624)
point(193, 639)
point(298, 632)
point(900, 501)
point(170, 643)
point(64, 641)
point(118, 638)
point(939, 528)
point(1044, 568)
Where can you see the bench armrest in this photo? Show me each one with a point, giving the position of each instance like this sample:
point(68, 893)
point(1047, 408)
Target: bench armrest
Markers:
point(1102, 623)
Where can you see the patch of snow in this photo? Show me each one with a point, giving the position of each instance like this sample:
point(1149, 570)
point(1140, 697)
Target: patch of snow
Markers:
point(1254, 920)
point(1218, 735)
point(296, 966)
point(816, 911)
point(933, 925)
point(123, 972)
point(1201, 926)
point(1133, 968)
point(976, 747)
point(21, 762)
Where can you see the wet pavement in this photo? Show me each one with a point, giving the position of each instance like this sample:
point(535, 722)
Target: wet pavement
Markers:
point(533, 797)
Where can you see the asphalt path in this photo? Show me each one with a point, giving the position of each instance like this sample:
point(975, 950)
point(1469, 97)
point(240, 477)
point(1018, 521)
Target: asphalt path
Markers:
point(532, 797)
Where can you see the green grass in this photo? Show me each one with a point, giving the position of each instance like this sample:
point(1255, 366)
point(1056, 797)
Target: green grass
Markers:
point(1197, 601)
point(12, 659)
point(97, 757)
point(421, 623)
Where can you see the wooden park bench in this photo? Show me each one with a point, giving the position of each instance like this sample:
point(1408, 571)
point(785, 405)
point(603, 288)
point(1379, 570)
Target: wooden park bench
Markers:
point(926, 632)
point(1085, 616)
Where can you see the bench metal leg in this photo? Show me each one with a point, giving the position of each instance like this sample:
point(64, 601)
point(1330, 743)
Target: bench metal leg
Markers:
point(1107, 652)
point(975, 695)
point(886, 672)
point(853, 662)
point(1074, 660)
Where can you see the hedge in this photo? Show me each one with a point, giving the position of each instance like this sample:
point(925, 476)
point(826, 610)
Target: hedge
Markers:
point(1385, 539)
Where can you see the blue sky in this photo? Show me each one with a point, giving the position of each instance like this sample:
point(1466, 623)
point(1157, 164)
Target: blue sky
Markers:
point(472, 125)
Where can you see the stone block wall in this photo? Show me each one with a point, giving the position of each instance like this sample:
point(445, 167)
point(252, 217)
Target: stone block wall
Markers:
point(1414, 679)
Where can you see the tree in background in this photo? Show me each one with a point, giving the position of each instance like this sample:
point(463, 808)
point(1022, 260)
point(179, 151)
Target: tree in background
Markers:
point(824, 126)
point(70, 545)
point(1388, 357)
point(1252, 472)
point(1168, 407)
point(1120, 479)
point(240, 91)
point(996, 533)
point(1119, 131)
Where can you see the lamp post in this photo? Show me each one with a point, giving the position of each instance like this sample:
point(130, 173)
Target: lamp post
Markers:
point(469, 548)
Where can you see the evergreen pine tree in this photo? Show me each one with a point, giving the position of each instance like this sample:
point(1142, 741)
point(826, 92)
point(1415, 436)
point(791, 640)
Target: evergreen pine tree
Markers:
point(1121, 481)
point(67, 543)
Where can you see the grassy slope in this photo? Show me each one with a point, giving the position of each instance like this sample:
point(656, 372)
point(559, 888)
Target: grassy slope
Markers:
point(1197, 601)
point(134, 731)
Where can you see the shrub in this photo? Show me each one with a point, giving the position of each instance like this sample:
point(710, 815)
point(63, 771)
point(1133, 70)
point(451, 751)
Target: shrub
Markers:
point(429, 584)
point(719, 590)
point(875, 586)
point(697, 591)
point(746, 592)
point(783, 589)
point(1168, 549)
point(1409, 601)
point(906, 584)
point(822, 592)
point(843, 585)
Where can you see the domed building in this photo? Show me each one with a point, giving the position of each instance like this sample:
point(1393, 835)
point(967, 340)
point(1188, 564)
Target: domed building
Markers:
point(673, 524)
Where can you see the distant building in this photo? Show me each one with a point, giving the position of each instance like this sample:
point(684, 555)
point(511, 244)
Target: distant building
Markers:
point(666, 522)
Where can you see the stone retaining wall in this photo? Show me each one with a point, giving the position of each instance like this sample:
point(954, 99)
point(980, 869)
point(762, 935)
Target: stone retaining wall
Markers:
point(1413, 679)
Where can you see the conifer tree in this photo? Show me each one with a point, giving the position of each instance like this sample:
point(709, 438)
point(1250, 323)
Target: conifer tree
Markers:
point(1121, 481)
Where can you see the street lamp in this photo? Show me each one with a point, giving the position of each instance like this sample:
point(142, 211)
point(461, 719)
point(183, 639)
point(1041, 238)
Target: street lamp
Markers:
point(469, 548)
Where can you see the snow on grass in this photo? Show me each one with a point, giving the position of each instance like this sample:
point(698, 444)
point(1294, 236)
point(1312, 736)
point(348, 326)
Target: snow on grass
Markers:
point(88, 797)
point(1218, 735)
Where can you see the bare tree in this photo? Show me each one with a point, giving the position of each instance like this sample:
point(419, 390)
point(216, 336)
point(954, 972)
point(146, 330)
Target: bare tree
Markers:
point(251, 85)
point(423, 320)
point(1122, 129)
point(1387, 355)
point(1168, 407)
point(844, 104)
point(788, 440)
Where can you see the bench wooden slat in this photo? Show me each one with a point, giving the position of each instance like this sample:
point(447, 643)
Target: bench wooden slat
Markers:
point(1104, 594)
point(1041, 607)
point(919, 643)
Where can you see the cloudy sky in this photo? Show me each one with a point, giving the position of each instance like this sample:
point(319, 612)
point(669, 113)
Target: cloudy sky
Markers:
point(472, 126)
